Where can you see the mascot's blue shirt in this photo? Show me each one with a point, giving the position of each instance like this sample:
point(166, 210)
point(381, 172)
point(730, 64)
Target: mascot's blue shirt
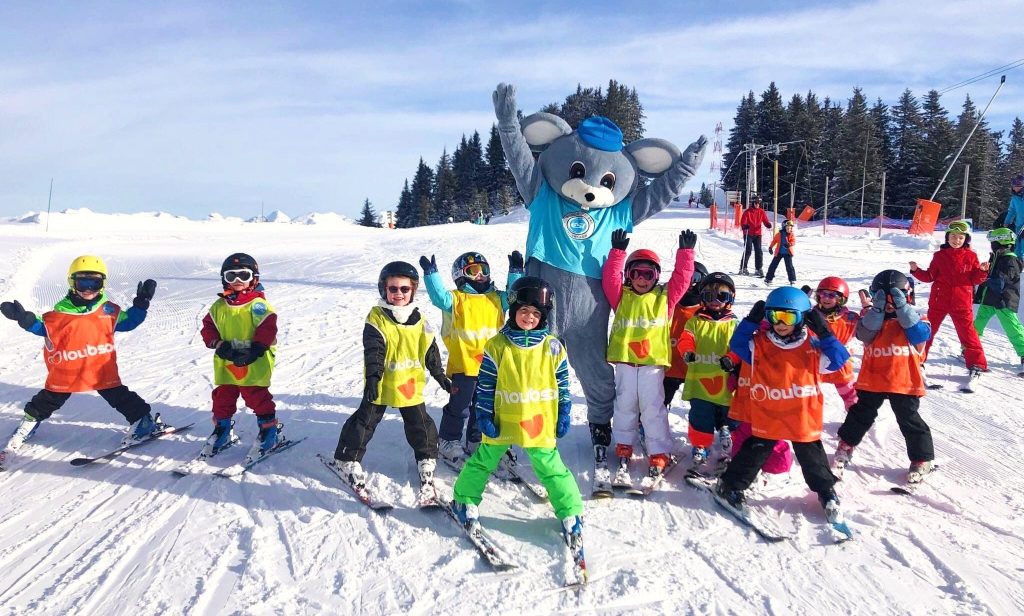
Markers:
point(566, 236)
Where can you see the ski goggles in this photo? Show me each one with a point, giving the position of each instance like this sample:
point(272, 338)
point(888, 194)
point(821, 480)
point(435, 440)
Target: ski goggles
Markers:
point(826, 294)
point(776, 316)
point(476, 269)
point(241, 275)
point(958, 226)
point(403, 290)
point(643, 273)
point(696, 279)
point(725, 297)
point(87, 283)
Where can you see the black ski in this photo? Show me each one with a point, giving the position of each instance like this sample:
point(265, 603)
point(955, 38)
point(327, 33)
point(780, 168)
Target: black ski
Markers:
point(237, 470)
point(747, 516)
point(361, 493)
point(497, 557)
point(116, 452)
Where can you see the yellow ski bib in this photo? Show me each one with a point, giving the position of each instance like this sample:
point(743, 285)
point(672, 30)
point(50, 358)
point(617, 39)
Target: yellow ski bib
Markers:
point(705, 379)
point(237, 325)
point(526, 396)
point(404, 360)
point(474, 319)
point(641, 329)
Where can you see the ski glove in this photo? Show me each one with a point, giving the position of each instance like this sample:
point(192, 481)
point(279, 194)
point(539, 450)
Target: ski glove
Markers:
point(907, 316)
point(485, 421)
point(756, 314)
point(727, 363)
point(445, 383)
point(620, 239)
point(808, 291)
point(244, 357)
point(16, 312)
point(515, 261)
point(816, 323)
point(429, 266)
point(770, 251)
point(899, 298)
point(873, 317)
point(143, 293)
point(225, 351)
point(562, 427)
point(687, 239)
point(878, 300)
point(370, 390)
point(689, 357)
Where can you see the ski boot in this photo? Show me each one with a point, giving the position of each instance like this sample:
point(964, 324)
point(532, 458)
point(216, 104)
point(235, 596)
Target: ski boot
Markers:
point(506, 470)
point(452, 452)
point(918, 470)
point(270, 435)
point(467, 514)
point(830, 502)
point(23, 432)
point(699, 455)
point(222, 437)
point(352, 473)
point(734, 498)
point(973, 377)
point(744, 271)
point(572, 532)
point(725, 441)
point(844, 453)
point(759, 274)
point(1021, 371)
point(142, 429)
point(428, 491)
point(623, 453)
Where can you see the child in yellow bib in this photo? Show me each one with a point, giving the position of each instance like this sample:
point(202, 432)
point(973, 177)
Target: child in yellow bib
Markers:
point(472, 314)
point(522, 398)
point(398, 350)
point(639, 346)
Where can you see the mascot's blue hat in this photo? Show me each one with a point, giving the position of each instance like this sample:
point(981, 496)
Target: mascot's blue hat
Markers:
point(601, 133)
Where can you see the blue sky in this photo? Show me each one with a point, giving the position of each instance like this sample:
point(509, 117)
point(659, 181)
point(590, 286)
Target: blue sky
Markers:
point(194, 108)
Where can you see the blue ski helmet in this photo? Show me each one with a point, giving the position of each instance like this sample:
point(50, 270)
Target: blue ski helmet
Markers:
point(788, 298)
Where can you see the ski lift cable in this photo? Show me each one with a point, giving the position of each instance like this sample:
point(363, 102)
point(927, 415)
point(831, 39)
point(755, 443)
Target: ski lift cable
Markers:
point(1008, 67)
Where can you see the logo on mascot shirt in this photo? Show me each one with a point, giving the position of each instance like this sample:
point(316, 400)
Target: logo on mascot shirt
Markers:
point(761, 392)
point(578, 225)
point(89, 351)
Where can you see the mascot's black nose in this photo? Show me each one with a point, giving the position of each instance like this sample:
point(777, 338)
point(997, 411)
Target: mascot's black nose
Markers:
point(589, 197)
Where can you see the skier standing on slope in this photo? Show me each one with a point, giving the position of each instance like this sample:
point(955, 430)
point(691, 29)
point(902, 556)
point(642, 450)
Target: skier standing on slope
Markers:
point(638, 346)
point(241, 327)
point(79, 352)
point(398, 349)
point(785, 390)
point(1015, 214)
point(894, 337)
point(753, 218)
point(522, 398)
point(472, 314)
point(953, 272)
point(999, 296)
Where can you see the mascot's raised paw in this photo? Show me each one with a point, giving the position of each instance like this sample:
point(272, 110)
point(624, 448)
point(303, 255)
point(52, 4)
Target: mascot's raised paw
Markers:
point(693, 155)
point(505, 102)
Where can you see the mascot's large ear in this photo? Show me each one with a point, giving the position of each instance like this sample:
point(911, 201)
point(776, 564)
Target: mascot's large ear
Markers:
point(541, 128)
point(653, 157)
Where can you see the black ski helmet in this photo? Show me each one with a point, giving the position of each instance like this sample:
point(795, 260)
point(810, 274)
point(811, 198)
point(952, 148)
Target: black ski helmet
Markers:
point(719, 278)
point(398, 268)
point(699, 274)
point(240, 260)
point(531, 291)
point(892, 279)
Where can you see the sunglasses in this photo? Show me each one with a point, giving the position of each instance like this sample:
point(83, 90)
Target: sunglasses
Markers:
point(87, 284)
point(241, 275)
point(785, 317)
point(402, 290)
point(829, 295)
point(643, 273)
point(709, 296)
point(476, 269)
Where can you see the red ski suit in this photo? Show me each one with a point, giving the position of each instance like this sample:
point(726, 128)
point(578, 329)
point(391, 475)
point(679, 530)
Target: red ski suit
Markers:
point(953, 273)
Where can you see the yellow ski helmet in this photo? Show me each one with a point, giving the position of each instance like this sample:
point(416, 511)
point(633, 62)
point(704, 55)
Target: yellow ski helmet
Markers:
point(86, 263)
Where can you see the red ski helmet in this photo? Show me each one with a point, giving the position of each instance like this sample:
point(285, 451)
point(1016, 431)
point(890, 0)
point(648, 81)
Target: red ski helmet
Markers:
point(643, 255)
point(837, 284)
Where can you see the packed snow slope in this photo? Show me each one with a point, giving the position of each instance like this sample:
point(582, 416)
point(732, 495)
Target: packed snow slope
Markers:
point(129, 537)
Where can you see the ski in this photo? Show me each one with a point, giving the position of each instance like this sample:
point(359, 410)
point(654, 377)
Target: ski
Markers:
point(652, 482)
point(574, 545)
point(537, 490)
point(429, 497)
point(361, 493)
point(601, 487)
point(200, 462)
point(910, 488)
point(237, 470)
point(623, 481)
point(494, 554)
point(763, 528)
point(123, 448)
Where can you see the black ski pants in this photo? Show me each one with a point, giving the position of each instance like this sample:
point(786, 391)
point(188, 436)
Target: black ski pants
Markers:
point(752, 243)
point(124, 401)
point(671, 385)
point(420, 431)
point(755, 451)
point(915, 431)
point(790, 270)
point(459, 409)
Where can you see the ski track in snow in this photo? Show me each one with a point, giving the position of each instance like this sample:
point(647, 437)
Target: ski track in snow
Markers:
point(128, 537)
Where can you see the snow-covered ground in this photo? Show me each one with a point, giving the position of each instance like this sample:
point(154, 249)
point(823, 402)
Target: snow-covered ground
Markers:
point(130, 538)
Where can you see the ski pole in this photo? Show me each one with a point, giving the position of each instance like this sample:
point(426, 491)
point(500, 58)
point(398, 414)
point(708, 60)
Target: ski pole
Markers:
point(1002, 80)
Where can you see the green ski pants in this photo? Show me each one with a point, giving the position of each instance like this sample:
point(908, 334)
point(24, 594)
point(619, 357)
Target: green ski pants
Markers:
point(1008, 319)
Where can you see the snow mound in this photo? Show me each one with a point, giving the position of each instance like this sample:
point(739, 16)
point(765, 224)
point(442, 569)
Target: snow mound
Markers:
point(322, 218)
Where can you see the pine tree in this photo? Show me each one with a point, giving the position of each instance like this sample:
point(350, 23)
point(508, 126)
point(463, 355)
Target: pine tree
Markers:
point(906, 181)
point(1013, 162)
point(806, 119)
point(444, 191)
point(741, 133)
point(405, 213)
point(496, 174)
point(982, 154)
point(582, 104)
point(368, 218)
point(858, 155)
point(939, 146)
point(508, 198)
point(422, 189)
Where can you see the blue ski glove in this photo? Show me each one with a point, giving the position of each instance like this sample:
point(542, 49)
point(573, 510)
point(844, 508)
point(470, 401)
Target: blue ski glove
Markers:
point(429, 266)
point(878, 300)
point(873, 317)
point(562, 427)
point(485, 421)
point(143, 293)
point(16, 312)
point(899, 298)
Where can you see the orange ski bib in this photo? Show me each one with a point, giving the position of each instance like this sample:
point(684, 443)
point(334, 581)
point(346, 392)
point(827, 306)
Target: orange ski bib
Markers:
point(79, 350)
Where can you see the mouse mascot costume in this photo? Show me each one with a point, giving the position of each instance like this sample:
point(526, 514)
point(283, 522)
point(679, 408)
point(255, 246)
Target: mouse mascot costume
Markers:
point(584, 185)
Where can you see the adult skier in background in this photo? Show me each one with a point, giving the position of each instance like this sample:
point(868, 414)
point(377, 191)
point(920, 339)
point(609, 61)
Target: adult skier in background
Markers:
point(782, 247)
point(751, 222)
point(79, 351)
point(1015, 214)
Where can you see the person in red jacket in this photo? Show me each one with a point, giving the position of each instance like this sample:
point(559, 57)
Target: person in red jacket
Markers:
point(953, 272)
point(751, 221)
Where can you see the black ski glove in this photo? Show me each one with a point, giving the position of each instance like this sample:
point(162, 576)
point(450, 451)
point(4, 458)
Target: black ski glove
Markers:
point(620, 239)
point(727, 363)
point(429, 266)
point(16, 312)
point(689, 357)
point(143, 293)
point(250, 355)
point(225, 351)
point(445, 383)
point(370, 391)
point(816, 323)
point(687, 239)
point(515, 261)
point(756, 314)
point(808, 291)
